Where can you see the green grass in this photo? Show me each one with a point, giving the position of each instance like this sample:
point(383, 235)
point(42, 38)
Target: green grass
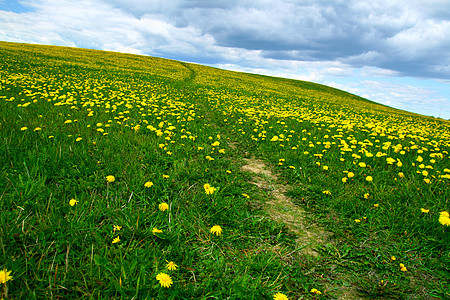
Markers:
point(142, 119)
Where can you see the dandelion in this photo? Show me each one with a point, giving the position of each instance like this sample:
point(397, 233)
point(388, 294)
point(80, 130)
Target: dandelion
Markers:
point(425, 211)
point(215, 144)
point(316, 291)
point(209, 189)
point(357, 220)
point(291, 167)
point(228, 171)
point(274, 139)
point(116, 227)
point(24, 128)
point(4, 276)
point(73, 202)
point(165, 176)
point(326, 192)
point(350, 174)
point(390, 160)
point(116, 240)
point(164, 279)
point(362, 164)
point(419, 159)
point(110, 178)
point(369, 178)
point(171, 266)
point(280, 296)
point(78, 139)
point(403, 268)
point(246, 196)
point(216, 229)
point(376, 205)
point(163, 206)
point(38, 129)
point(148, 184)
point(366, 196)
point(222, 151)
point(444, 218)
point(325, 168)
point(393, 257)
point(156, 230)
point(344, 179)
point(401, 175)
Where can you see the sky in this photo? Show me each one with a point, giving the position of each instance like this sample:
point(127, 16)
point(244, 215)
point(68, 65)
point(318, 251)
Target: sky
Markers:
point(395, 52)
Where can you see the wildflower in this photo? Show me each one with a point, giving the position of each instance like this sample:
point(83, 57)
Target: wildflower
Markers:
point(171, 266)
point(274, 139)
point(222, 151)
point(425, 211)
point(67, 121)
point(357, 220)
point(24, 128)
point(166, 176)
point(116, 240)
point(350, 174)
point(156, 230)
point(215, 144)
point(327, 192)
point(280, 296)
point(376, 205)
point(78, 139)
point(216, 229)
point(403, 268)
point(164, 279)
point(73, 202)
point(116, 227)
point(163, 206)
point(209, 189)
point(148, 184)
point(291, 167)
point(4, 276)
point(37, 129)
point(366, 196)
point(369, 178)
point(344, 179)
point(426, 180)
point(110, 178)
point(209, 158)
point(393, 258)
point(401, 175)
point(246, 196)
point(316, 291)
point(362, 164)
point(419, 159)
point(425, 173)
point(228, 171)
point(390, 160)
point(444, 218)
point(325, 168)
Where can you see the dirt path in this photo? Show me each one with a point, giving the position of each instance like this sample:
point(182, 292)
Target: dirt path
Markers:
point(282, 209)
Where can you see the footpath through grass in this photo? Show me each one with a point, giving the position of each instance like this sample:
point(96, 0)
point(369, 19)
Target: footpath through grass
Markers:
point(120, 178)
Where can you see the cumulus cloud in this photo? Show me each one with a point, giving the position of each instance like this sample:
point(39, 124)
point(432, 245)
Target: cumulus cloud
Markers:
point(310, 39)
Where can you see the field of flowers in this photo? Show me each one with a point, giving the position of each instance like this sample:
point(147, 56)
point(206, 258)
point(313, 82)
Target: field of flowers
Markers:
point(120, 177)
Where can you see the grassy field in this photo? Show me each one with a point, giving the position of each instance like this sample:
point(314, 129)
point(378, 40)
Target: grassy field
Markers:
point(121, 178)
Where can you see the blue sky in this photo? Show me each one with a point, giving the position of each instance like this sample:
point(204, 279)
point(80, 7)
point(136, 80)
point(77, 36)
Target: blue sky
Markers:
point(394, 52)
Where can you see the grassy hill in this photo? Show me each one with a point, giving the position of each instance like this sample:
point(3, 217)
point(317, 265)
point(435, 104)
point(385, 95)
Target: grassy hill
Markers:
point(123, 176)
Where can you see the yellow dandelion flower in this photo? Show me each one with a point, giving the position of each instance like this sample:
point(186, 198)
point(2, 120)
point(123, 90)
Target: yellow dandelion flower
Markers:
point(24, 128)
point(316, 291)
point(362, 164)
point(325, 168)
point(357, 220)
point(366, 196)
point(171, 266)
point(393, 257)
point(4, 276)
point(350, 174)
point(401, 175)
point(37, 129)
point(163, 206)
point(78, 139)
point(166, 176)
point(326, 192)
point(344, 179)
point(209, 189)
point(216, 229)
point(148, 184)
point(215, 144)
point(116, 240)
point(246, 196)
point(376, 205)
point(280, 296)
point(164, 279)
point(444, 218)
point(403, 268)
point(116, 227)
point(110, 178)
point(156, 230)
point(73, 202)
point(228, 171)
point(425, 211)
point(369, 178)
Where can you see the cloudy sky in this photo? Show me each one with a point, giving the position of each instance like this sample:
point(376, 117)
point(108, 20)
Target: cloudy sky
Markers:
point(396, 52)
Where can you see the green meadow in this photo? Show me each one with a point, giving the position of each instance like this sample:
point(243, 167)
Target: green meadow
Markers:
point(127, 177)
